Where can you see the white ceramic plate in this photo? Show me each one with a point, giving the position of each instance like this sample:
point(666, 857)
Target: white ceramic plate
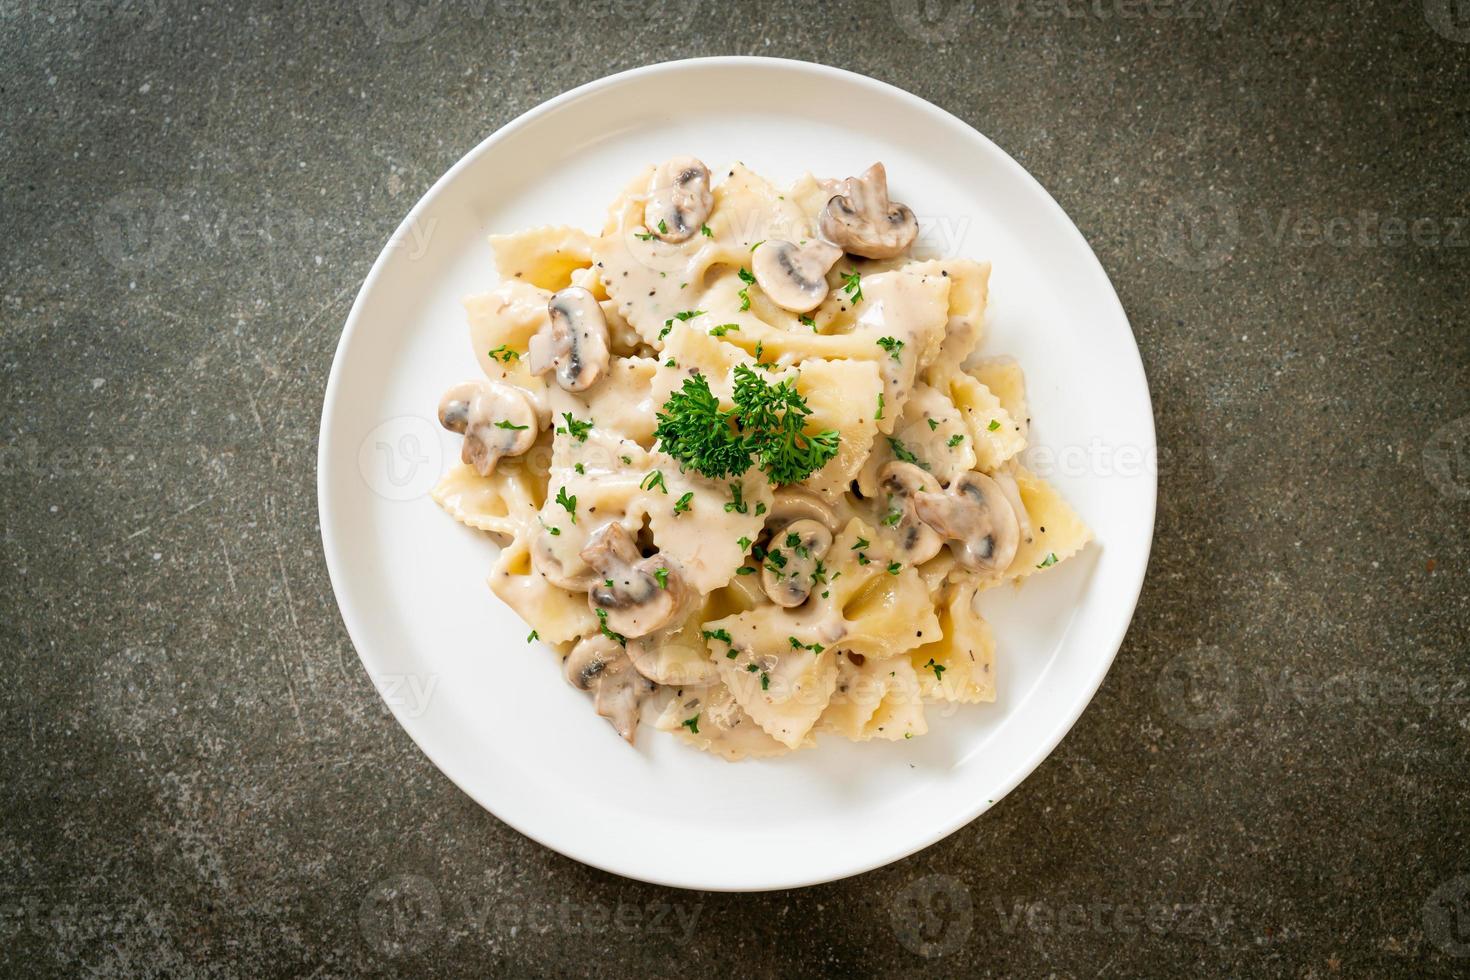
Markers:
point(494, 713)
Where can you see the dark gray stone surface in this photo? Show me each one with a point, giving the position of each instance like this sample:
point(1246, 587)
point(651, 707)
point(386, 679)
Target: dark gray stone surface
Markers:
point(198, 777)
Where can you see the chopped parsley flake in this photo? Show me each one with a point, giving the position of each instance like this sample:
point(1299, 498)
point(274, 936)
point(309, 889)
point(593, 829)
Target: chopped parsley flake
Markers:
point(744, 542)
point(864, 559)
point(662, 575)
point(723, 329)
point(643, 236)
point(903, 453)
point(892, 518)
point(652, 480)
point(533, 637)
point(704, 230)
point(938, 669)
point(861, 543)
point(580, 468)
point(504, 354)
point(617, 638)
point(682, 504)
point(687, 315)
point(757, 245)
point(852, 285)
point(737, 503)
point(746, 276)
point(933, 424)
point(569, 504)
point(879, 414)
point(692, 724)
point(992, 426)
point(893, 346)
point(1051, 559)
point(722, 635)
point(807, 321)
point(894, 568)
point(577, 429)
point(507, 424)
point(955, 440)
point(798, 645)
point(663, 228)
point(744, 570)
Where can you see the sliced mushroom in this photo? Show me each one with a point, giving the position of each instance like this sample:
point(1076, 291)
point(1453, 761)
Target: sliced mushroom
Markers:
point(904, 483)
point(1006, 480)
point(679, 201)
point(976, 517)
point(638, 595)
point(599, 665)
point(497, 420)
point(864, 222)
point(794, 276)
point(547, 558)
point(793, 504)
point(794, 555)
point(574, 342)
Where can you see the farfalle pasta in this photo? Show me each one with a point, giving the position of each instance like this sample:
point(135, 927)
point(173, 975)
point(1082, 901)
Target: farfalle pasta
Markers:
point(749, 461)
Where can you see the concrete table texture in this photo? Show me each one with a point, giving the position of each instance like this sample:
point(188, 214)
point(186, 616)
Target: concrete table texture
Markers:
point(198, 777)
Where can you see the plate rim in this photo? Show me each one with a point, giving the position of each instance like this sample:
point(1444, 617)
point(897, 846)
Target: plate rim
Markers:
point(1058, 729)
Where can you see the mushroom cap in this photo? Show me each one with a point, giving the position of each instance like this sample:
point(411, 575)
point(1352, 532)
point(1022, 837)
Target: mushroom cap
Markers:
point(792, 503)
point(790, 584)
point(904, 483)
point(865, 222)
point(679, 200)
point(636, 603)
point(599, 665)
point(794, 276)
point(976, 517)
point(497, 419)
point(575, 342)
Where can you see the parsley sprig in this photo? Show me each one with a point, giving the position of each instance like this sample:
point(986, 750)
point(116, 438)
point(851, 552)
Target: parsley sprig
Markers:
point(766, 427)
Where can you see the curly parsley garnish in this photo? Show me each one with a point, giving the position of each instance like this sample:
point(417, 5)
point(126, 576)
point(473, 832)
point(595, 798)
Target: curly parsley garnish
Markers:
point(766, 427)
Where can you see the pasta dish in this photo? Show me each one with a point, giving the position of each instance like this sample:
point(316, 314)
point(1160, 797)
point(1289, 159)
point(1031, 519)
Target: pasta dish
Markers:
point(747, 461)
